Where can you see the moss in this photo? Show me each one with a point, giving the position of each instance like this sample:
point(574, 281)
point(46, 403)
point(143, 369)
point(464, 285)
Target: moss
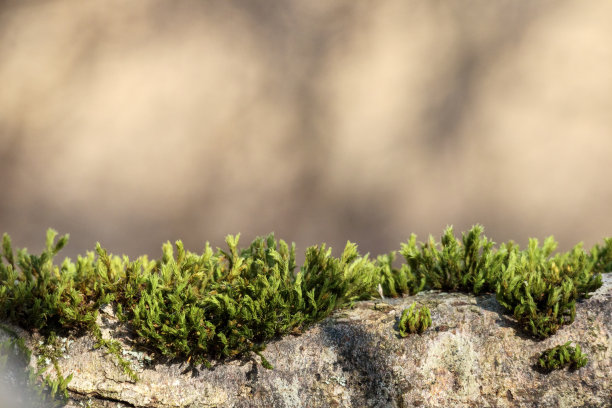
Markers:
point(414, 320)
point(600, 257)
point(541, 289)
point(229, 303)
point(467, 265)
point(218, 304)
point(562, 356)
point(41, 391)
point(397, 281)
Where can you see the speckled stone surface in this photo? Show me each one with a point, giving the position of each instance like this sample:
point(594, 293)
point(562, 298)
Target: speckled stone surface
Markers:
point(473, 355)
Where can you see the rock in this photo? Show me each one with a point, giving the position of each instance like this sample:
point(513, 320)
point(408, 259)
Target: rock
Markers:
point(473, 355)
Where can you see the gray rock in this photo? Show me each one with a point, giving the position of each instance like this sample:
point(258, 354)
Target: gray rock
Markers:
point(473, 355)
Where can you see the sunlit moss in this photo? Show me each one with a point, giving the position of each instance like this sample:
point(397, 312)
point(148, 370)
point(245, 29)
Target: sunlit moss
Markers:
point(226, 303)
point(562, 356)
point(414, 320)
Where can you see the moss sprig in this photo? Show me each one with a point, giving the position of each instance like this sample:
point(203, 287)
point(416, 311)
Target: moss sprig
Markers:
point(469, 265)
point(227, 303)
point(399, 281)
point(562, 356)
point(600, 257)
point(36, 294)
point(414, 320)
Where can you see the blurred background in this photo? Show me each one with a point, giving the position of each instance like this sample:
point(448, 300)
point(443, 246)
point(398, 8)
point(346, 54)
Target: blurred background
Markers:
point(134, 123)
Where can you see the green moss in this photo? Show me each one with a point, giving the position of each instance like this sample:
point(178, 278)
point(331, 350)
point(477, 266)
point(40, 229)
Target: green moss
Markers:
point(194, 307)
point(414, 320)
point(226, 303)
point(37, 294)
point(398, 281)
point(49, 352)
point(537, 286)
point(600, 257)
point(541, 289)
point(40, 390)
point(229, 303)
point(469, 265)
point(562, 356)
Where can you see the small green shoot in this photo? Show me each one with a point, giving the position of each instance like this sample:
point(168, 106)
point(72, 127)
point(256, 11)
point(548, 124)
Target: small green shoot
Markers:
point(562, 356)
point(40, 391)
point(600, 257)
point(414, 320)
point(396, 282)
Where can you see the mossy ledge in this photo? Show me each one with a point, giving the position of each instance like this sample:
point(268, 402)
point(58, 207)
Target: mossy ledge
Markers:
point(225, 304)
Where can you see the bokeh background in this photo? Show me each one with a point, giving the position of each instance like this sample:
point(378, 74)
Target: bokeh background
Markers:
point(133, 123)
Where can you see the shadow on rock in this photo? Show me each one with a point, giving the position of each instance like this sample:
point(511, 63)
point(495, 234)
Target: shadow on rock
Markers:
point(367, 369)
point(490, 303)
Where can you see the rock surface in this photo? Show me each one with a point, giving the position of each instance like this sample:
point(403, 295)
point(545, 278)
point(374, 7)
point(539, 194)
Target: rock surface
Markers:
point(473, 355)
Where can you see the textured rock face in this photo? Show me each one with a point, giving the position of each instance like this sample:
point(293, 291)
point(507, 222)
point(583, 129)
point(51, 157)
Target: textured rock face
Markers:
point(472, 356)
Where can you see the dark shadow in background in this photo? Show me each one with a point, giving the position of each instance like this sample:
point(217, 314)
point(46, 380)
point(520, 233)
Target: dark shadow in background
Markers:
point(299, 45)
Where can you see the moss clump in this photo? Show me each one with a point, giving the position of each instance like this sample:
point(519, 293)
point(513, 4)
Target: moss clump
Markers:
point(398, 281)
point(541, 290)
point(600, 257)
point(414, 320)
point(225, 303)
point(228, 303)
point(36, 294)
point(190, 306)
point(469, 265)
point(538, 287)
point(562, 356)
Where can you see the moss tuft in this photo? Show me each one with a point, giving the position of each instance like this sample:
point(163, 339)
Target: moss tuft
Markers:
point(541, 289)
point(414, 320)
point(562, 356)
point(469, 265)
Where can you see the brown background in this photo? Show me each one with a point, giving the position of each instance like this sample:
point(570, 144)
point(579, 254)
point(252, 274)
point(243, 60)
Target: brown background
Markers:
point(133, 123)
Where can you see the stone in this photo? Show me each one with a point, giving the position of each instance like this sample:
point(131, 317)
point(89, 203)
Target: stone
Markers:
point(473, 355)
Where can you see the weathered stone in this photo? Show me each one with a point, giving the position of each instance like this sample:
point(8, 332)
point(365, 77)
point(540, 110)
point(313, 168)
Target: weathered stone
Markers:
point(473, 355)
